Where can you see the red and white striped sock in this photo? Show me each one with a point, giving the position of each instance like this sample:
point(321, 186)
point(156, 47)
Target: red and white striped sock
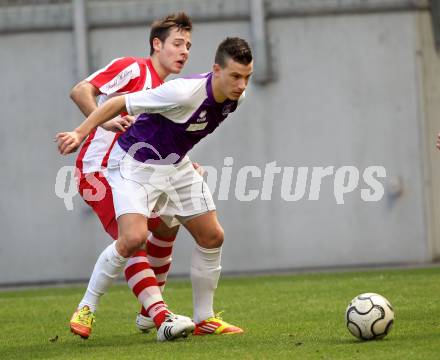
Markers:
point(159, 250)
point(142, 281)
point(157, 312)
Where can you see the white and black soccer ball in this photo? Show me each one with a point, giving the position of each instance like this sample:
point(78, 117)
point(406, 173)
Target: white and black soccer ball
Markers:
point(369, 316)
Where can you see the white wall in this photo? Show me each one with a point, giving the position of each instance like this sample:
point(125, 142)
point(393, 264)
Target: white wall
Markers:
point(347, 93)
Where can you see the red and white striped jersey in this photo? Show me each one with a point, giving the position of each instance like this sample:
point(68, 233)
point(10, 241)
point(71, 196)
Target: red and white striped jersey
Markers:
point(121, 76)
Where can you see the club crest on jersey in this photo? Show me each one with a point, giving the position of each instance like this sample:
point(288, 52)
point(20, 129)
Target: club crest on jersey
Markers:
point(202, 116)
point(227, 109)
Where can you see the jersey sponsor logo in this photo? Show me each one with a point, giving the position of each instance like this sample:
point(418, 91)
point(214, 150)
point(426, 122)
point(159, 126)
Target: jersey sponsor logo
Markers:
point(197, 127)
point(119, 78)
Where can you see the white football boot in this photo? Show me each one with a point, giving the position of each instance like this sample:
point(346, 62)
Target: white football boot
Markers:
point(144, 323)
point(175, 326)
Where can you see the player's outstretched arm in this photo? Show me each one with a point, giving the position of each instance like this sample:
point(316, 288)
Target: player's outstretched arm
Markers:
point(68, 142)
point(438, 141)
point(84, 96)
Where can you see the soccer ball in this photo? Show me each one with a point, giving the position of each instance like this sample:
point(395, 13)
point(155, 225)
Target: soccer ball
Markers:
point(369, 316)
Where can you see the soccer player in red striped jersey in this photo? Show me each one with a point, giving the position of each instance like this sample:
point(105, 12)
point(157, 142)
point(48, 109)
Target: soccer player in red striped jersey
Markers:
point(146, 273)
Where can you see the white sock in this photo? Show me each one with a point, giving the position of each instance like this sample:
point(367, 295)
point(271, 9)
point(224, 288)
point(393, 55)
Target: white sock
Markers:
point(205, 272)
point(107, 268)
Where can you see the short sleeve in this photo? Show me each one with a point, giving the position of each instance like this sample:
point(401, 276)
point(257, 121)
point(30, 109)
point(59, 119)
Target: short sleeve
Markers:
point(116, 75)
point(162, 99)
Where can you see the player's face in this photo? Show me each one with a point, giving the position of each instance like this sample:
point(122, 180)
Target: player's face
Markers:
point(233, 78)
point(174, 51)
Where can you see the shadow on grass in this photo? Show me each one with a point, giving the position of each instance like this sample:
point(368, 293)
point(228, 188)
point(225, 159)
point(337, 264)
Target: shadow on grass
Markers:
point(392, 339)
point(70, 346)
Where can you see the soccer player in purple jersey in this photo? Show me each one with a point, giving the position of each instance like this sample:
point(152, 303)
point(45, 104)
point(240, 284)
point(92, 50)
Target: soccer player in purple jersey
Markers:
point(149, 167)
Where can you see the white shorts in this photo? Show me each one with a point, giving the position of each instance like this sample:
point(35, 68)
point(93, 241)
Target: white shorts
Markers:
point(173, 192)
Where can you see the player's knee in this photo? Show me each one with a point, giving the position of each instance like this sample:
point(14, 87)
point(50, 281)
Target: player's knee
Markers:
point(213, 239)
point(131, 241)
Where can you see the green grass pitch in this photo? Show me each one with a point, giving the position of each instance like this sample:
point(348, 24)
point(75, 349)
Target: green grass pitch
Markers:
point(284, 317)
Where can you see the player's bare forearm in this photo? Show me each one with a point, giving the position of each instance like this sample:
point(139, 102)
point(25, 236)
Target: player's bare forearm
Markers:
point(84, 96)
point(68, 142)
point(438, 141)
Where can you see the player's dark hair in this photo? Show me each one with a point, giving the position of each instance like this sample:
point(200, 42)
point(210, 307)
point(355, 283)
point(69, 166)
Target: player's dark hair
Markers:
point(233, 48)
point(161, 28)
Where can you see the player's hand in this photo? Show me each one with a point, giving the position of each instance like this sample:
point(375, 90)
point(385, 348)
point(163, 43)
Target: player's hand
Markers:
point(199, 168)
point(68, 142)
point(119, 124)
point(438, 141)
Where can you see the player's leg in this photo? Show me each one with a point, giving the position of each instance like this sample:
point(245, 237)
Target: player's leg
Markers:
point(132, 229)
point(159, 249)
point(150, 296)
point(205, 262)
point(134, 199)
point(194, 207)
point(97, 193)
point(132, 233)
point(102, 204)
point(156, 257)
point(205, 273)
point(142, 287)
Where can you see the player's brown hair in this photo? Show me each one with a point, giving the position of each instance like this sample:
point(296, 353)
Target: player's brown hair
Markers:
point(233, 48)
point(161, 28)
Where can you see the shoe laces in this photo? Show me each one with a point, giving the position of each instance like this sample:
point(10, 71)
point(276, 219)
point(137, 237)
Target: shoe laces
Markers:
point(85, 316)
point(170, 316)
